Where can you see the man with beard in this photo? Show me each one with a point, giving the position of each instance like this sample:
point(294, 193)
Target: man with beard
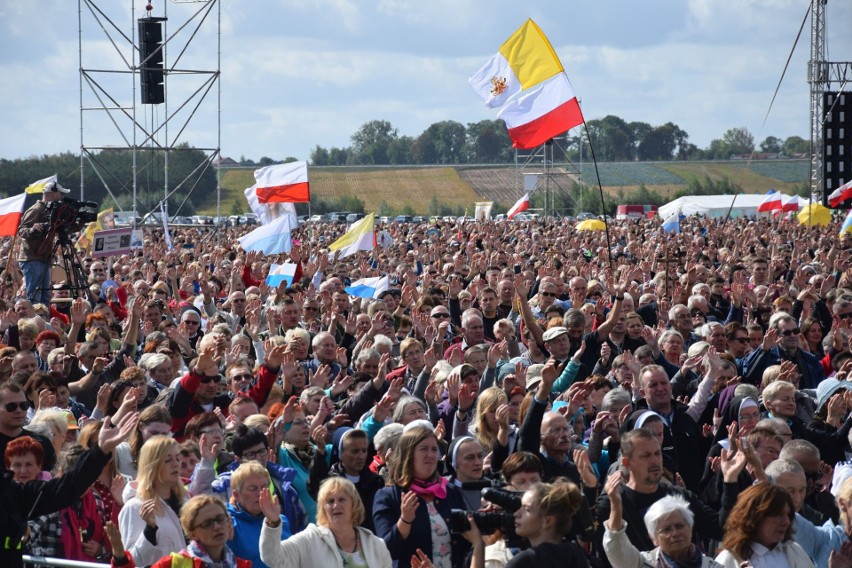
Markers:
point(781, 343)
point(642, 458)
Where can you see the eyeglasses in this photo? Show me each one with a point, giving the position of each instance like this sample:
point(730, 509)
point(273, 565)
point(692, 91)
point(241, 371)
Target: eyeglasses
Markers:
point(789, 332)
point(243, 377)
point(206, 379)
point(255, 454)
point(740, 339)
point(300, 422)
point(193, 322)
point(311, 308)
point(670, 530)
point(217, 520)
point(212, 432)
point(548, 294)
point(440, 315)
point(12, 406)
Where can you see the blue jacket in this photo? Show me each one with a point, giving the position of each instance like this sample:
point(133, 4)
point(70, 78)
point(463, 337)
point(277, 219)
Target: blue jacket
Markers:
point(247, 534)
point(818, 542)
point(758, 360)
point(282, 481)
point(300, 481)
point(386, 510)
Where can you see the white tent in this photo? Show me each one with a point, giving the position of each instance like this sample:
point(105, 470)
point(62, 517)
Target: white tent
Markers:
point(714, 205)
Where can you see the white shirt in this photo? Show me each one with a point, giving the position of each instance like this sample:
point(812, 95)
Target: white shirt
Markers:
point(763, 557)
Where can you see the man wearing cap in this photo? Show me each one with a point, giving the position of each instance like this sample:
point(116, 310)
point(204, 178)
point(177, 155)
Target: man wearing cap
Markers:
point(37, 240)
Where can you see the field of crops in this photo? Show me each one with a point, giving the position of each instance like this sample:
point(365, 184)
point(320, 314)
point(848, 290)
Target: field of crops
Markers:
point(396, 188)
point(462, 185)
point(628, 173)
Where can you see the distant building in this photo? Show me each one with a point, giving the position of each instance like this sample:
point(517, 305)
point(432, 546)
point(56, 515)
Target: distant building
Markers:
point(225, 163)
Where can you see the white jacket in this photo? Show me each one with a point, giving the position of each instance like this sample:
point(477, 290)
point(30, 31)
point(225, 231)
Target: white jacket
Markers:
point(315, 546)
point(621, 552)
point(795, 554)
point(169, 533)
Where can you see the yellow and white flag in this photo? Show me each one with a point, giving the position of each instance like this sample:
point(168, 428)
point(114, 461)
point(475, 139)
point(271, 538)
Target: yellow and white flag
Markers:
point(38, 186)
point(360, 236)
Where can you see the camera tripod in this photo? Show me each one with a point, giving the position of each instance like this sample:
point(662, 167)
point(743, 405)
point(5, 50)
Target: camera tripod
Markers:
point(70, 262)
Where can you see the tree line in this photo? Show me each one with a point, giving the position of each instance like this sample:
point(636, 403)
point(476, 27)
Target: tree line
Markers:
point(114, 170)
point(612, 139)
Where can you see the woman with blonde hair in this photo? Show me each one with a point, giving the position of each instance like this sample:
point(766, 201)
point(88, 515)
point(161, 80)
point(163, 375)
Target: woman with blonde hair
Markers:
point(149, 521)
point(492, 427)
point(206, 522)
point(336, 540)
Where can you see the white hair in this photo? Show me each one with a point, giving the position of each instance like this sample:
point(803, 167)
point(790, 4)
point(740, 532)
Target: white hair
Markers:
point(666, 506)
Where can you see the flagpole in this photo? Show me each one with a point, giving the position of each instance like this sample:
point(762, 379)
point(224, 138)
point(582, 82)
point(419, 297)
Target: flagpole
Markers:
point(600, 189)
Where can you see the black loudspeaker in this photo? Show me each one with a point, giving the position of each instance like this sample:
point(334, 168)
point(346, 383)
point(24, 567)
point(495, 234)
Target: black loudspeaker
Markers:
point(837, 142)
point(151, 61)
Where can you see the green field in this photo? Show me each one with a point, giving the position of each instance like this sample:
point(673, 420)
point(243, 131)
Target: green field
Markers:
point(398, 187)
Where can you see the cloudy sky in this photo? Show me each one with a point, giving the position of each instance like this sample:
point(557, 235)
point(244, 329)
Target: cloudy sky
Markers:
point(297, 73)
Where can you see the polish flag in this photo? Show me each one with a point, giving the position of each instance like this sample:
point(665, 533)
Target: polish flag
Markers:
point(840, 194)
point(772, 202)
point(11, 209)
point(522, 205)
point(542, 112)
point(283, 183)
point(789, 203)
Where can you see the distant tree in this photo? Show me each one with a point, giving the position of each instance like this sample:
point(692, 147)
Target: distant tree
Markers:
point(638, 132)
point(290, 159)
point(659, 144)
point(319, 156)
point(423, 150)
point(449, 138)
point(796, 145)
point(487, 143)
point(771, 144)
point(265, 161)
point(399, 151)
point(738, 141)
point(612, 139)
point(371, 142)
point(338, 156)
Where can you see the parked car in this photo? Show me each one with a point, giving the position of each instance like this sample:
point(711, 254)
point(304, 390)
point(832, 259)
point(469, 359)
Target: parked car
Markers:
point(386, 220)
point(251, 219)
point(338, 217)
point(419, 219)
point(585, 215)
point(352, 217)
point(403, 219)
point(317, 219)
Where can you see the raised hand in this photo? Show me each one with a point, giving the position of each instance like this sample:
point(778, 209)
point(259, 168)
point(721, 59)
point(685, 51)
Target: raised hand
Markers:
point(269, 506)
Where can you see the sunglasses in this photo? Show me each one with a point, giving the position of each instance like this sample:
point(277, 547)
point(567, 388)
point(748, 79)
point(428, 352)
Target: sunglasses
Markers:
point(440, 315)
point(243, 377)
point(12, 406)
point(206, 379)
point(789, 332)
point(548, 294)
point(193, 322)
point(217, 520)
point(740, 339)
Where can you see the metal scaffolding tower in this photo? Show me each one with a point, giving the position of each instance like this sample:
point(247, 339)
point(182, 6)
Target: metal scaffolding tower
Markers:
point(537, 170)
point(823, 76)
point(114, 120)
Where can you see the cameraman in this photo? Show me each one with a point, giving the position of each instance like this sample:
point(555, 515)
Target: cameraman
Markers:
point(37, 238)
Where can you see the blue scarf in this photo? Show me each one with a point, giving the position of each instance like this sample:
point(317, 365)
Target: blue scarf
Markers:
point(195, 550)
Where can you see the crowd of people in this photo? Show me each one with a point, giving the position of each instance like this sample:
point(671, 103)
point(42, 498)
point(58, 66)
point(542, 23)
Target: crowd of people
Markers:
point(628, 398)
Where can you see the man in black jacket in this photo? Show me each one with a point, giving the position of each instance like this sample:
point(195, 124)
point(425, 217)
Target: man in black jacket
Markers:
point(36, 498)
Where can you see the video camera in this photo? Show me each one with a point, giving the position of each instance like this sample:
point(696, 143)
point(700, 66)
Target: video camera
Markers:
point(69, 215)
point(490, 522)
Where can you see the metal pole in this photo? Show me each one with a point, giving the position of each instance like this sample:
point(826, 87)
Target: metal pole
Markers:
point(219, 117)
point(133, 151)
point(167, 144)
point(60, 562)
point(80, 61)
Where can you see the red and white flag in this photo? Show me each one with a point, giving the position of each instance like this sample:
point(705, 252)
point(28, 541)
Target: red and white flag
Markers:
point(283, 183)
point(772, 202)
point(789, 203)
point(522, 205)
point(11, 209)
point(840, 194)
